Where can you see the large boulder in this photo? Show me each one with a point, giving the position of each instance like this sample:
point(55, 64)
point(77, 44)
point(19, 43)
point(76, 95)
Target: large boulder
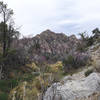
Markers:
point(71, 89)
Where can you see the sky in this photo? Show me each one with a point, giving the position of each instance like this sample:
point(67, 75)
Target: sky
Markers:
point(67, 16)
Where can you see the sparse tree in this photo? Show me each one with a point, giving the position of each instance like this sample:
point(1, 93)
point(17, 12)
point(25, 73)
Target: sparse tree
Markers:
point(83, 36)
point(12, 33)
point(6, 14)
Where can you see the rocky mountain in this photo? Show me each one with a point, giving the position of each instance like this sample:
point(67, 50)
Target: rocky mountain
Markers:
point(49, 46)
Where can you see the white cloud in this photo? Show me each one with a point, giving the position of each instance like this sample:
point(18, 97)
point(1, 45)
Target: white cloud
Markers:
point(69, 16)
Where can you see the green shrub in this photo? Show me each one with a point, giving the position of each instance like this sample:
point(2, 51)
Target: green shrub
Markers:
point(13, 83)
point(69, 60)
point(27, 77)
point(88, 72)
point(75, 61)
point(3, 96)
point(4, 86)
point(7, 85)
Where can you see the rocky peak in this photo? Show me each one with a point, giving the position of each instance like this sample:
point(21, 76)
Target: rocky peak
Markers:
point(50, 45)
point(48, 31)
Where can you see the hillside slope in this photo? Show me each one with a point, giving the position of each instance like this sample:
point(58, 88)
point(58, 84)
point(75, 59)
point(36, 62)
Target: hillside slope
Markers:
point(71, 87)
point(77, 86)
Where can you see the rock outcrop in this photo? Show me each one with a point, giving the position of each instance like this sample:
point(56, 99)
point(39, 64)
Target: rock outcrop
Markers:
point(72, 89)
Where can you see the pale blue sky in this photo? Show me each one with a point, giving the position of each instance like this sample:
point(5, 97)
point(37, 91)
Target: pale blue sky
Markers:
point(67, 16)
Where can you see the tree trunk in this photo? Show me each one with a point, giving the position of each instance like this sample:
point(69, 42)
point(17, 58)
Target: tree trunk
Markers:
point(4, 37)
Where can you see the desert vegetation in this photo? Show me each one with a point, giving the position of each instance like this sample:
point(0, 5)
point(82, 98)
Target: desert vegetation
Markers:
point(29, 66)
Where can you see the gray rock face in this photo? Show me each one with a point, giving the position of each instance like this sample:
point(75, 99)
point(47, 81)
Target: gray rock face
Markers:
point(73, 89)
point(49, 45)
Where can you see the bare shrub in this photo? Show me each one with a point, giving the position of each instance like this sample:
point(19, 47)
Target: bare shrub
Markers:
point(75, 60)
